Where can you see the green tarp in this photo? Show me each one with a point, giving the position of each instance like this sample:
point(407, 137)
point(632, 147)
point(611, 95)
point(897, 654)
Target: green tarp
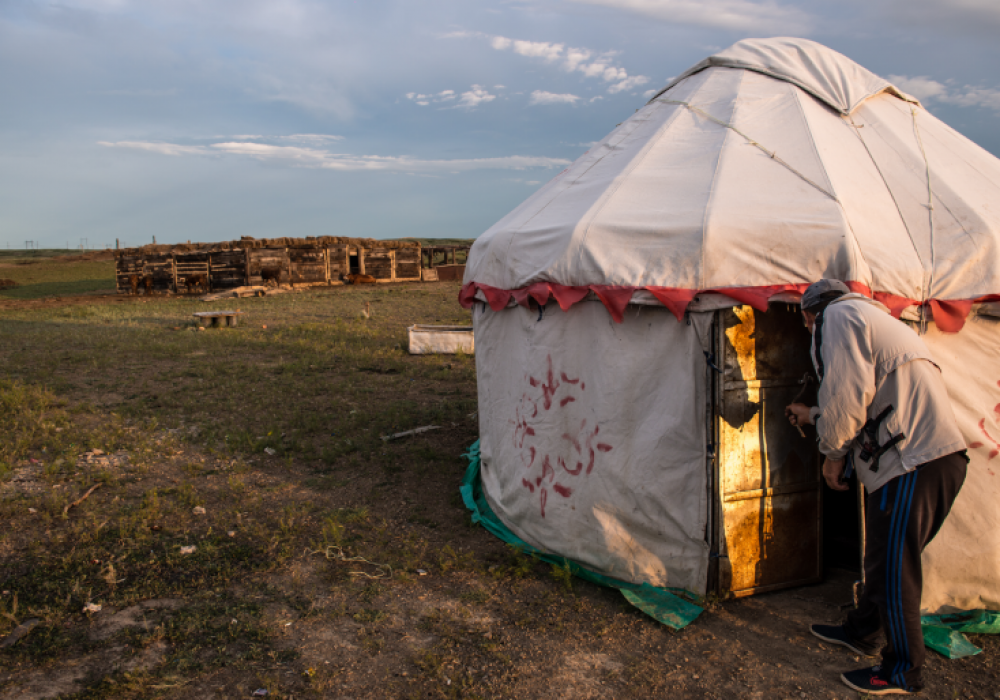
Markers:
point(944, 633)
point(663, 605)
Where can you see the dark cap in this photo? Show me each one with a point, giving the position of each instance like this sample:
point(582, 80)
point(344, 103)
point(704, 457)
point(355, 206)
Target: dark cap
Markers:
point(819, 294)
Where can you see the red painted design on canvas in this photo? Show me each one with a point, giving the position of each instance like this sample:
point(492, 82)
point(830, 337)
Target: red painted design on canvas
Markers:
point(995, 448)
point(996, 445)
point(551, 394)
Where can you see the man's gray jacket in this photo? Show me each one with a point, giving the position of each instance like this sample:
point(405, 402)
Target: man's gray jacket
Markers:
point(869, 361)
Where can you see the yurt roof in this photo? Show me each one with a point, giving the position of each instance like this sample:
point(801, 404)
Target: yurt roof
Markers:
point(760, 170)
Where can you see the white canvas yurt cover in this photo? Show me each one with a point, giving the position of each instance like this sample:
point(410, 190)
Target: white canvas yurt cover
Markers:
point(768, 166)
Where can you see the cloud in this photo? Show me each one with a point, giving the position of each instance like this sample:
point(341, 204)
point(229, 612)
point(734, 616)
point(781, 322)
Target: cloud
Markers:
point(167, 149)
point(921, 87)
point(265, 150)
point(976, 97)
point(628, 84)
point(572, 60)
point(538, 49)
point(475, 97)
point(306, 138)
point(575, 57)
point(734, 15)
point(929, 90)
point(300, 157)
point(472, 98)
point(541, 97)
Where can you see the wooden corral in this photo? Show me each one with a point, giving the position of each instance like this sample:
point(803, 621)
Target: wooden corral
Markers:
point(297, 262)
point(440, 255)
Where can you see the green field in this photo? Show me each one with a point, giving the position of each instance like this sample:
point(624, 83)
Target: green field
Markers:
point(49, 273)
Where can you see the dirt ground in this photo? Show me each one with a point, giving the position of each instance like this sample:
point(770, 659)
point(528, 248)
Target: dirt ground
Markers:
point(231, 573)
point(450, 630)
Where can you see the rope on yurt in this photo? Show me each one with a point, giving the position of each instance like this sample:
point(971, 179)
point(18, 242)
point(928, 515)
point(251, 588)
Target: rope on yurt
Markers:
point(856, 128)
point(752, 142)
point(930, 220)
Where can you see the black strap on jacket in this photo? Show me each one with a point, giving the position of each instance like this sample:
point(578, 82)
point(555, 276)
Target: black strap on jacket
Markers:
point(871, 450)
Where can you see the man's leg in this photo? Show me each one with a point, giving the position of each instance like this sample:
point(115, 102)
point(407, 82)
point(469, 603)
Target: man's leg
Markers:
point(862, 628)
point(908, 514)
point(927, 499)
point(864, 623)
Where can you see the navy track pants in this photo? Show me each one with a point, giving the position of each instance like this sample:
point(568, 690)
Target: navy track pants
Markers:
point(901, 518)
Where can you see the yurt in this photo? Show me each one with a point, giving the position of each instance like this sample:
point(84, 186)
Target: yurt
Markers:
point(638, 337)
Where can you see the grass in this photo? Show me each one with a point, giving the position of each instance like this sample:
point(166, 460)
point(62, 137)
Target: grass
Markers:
point(41, 273)
point(233, 421)
point(304, 376)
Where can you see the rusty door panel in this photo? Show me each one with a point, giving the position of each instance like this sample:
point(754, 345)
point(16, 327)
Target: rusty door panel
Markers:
point(769, 505)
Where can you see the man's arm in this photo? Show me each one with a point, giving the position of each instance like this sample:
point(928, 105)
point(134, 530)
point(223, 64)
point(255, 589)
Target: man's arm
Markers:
point(833, 469)
point(800, 414)
point(848, 386)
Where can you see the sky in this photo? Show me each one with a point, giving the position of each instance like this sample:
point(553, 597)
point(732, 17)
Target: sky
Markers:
point(207, 120)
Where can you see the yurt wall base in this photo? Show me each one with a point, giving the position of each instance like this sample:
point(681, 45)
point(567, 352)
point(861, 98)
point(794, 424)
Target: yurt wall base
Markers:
point(594, 438)
point(665, 606)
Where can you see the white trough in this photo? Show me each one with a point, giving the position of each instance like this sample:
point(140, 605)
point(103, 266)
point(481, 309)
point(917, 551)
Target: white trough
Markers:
point(441, 340)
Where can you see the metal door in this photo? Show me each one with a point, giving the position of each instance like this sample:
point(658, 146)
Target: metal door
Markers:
point(769, 508)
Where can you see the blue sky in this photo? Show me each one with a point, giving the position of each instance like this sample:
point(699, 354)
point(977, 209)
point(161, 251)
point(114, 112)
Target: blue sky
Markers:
point(211, 119)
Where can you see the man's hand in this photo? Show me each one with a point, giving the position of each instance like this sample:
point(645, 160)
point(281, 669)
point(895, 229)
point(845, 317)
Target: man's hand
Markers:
point(833, 470)
point(798, 414)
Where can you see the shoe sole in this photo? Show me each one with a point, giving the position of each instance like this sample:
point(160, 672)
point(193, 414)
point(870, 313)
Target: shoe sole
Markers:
point(842, 643)
point(895, 690)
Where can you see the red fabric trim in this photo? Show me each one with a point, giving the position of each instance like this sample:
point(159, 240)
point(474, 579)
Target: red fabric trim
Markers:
point(949, 314)
point(496, 298)
point(615, 298)
point(757, 297)
point(676, 300)
point(467, 296)
point(567, 296)
point(856, 287)
point(896, 304)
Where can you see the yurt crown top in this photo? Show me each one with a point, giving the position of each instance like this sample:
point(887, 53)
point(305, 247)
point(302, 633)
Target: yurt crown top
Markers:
point(829, 76)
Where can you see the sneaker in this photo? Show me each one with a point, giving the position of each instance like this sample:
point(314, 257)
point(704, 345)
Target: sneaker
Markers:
point(835, 634)
point(872, 681)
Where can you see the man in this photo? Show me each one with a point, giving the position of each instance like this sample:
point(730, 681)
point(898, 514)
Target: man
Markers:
point(883, 412)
